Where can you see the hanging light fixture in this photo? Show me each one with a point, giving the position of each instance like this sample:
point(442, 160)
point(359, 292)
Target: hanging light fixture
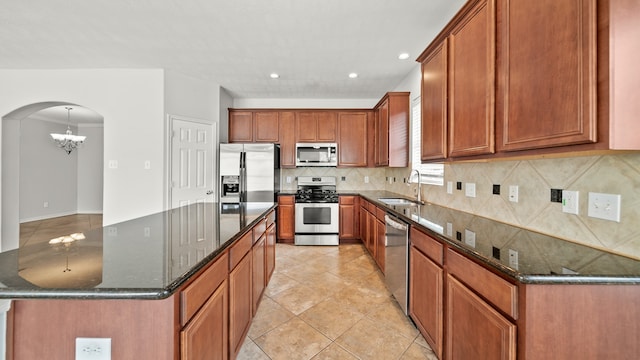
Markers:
point(67, 141)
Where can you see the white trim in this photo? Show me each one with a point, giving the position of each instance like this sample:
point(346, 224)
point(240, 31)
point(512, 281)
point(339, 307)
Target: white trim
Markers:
point(431, 173)
point(5, 306)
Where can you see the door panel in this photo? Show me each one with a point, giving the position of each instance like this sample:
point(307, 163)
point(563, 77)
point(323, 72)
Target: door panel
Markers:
point(192, 162)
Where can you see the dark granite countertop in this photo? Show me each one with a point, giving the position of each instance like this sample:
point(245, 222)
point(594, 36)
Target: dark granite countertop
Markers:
point(144, 258)
point(542, 259)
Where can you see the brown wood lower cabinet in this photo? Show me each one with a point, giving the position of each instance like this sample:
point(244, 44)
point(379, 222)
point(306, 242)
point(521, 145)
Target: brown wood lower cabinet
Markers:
point(286, 218)
point(258, 278)
point(349, 217)
point(270, 252)
point(240, 304)
point(425, 298)
point(206, 336)
point(475, 330)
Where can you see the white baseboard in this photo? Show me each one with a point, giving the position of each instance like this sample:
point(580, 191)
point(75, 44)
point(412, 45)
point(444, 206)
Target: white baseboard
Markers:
point(49, 216)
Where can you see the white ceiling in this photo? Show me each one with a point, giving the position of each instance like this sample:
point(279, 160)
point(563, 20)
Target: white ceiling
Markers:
point(312, 44)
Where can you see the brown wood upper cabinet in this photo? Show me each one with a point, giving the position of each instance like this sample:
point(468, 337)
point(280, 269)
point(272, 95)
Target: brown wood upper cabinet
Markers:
point(392, 130)
point(253, 126)
point(547, 80)
point(316, 126)
point(471, 75)
point(562, 80)
point(434, 104)
point(352, 138)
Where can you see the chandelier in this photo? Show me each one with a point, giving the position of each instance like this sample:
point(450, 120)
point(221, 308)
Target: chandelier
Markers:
point(67, 141)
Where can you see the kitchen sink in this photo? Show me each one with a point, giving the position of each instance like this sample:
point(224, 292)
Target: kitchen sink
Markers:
point(398, 202)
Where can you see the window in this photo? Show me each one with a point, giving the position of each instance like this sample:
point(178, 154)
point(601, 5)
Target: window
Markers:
point(430, 173)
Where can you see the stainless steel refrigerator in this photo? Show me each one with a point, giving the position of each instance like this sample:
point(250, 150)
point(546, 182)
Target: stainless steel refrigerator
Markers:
point(249, 172)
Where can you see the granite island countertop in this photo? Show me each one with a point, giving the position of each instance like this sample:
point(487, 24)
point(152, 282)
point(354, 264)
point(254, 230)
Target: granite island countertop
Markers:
point(145, 258)
point(541, 259)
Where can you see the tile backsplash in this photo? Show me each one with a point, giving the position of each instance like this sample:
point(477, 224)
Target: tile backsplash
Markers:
point(611, 174)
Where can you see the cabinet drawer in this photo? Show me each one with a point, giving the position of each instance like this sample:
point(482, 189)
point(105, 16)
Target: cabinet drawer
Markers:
point(271, 218)
point(240, 249)
point(259, 229)
point(197, 293)
point(498, 291)
point(286, 200)
point(347, 200)
point(427, 245)
point(380, 213)
point(371, 207)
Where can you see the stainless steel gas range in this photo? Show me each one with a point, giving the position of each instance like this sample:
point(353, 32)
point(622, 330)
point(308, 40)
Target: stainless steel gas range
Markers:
point(316, 209)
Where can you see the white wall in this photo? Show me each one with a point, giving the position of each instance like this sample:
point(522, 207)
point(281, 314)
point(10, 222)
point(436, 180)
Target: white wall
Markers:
point(90, 170)
point(411, 82)
point(9, 193)
point(47, 173)
point(132, 103)
point(226, 102)
point(305, 103)
point(190, 97)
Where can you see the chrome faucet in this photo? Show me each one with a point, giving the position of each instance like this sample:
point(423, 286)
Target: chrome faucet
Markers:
point(419, 198)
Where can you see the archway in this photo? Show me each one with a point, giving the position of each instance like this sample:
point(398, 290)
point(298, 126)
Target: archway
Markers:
point(34, 169)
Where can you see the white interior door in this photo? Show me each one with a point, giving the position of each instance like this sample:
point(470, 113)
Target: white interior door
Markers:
point(192, 162)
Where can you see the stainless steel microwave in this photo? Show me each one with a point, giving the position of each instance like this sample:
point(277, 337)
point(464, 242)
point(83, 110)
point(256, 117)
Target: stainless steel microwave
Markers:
point(316, 154)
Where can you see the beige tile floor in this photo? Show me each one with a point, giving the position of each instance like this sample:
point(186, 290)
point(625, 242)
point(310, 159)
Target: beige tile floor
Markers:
point(34, 232)
point(330, 303)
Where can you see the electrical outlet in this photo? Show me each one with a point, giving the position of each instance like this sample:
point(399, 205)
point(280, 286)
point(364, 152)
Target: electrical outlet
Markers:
point(604, 206)
point(46, 204)
point(470, 238)
point(449, 187)
point(147, 165)
point(147, 231)
point(495, 252)
point(496, 189)
point(459, 185)
point(513, 193)
point(570, 202)
point(112, 231)
point(113, 164)
point(366, 179)
point(449, 229)
point(93, 348)
point(470, 189)
point(288, 179)
point(513, 259)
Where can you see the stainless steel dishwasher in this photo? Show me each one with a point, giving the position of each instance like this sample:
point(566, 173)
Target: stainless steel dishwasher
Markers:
point(396, 259)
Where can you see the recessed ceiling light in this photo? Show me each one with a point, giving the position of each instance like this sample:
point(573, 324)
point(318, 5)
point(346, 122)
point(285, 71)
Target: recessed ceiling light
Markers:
point(403, 56)
point(274, 76)
point(353, 75)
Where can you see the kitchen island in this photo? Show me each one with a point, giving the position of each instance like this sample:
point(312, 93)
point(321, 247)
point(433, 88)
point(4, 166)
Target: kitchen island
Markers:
point(148, 284)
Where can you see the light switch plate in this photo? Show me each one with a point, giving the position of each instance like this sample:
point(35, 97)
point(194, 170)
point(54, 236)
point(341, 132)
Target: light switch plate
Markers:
point(513, 193)
point(470, 238)
point(570, 201)
point(470, 189)
point(604, 206)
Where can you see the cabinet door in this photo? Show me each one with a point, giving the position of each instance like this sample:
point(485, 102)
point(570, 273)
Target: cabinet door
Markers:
point(265, 126)
point(349, 219)
point(398, 143)
point(240, 304)
point(363, 221)
point(287, 139)
point(327, 126)
point(270, 253)
point(472, 82)
point(474, 329)
point(258, 277)
point(434, 105)
point(373, 234)
point(240, 126)
point(425, 298)
point(547, 75)
point(206, 336)
point(286, 217)
point(352, 139)
point(306, 126)
point(382, 134)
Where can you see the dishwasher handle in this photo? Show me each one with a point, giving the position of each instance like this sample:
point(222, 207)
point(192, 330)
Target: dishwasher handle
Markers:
point(395, 223)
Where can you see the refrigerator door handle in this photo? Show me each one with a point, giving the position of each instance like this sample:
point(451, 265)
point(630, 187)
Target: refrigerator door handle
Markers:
point(243, 177)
